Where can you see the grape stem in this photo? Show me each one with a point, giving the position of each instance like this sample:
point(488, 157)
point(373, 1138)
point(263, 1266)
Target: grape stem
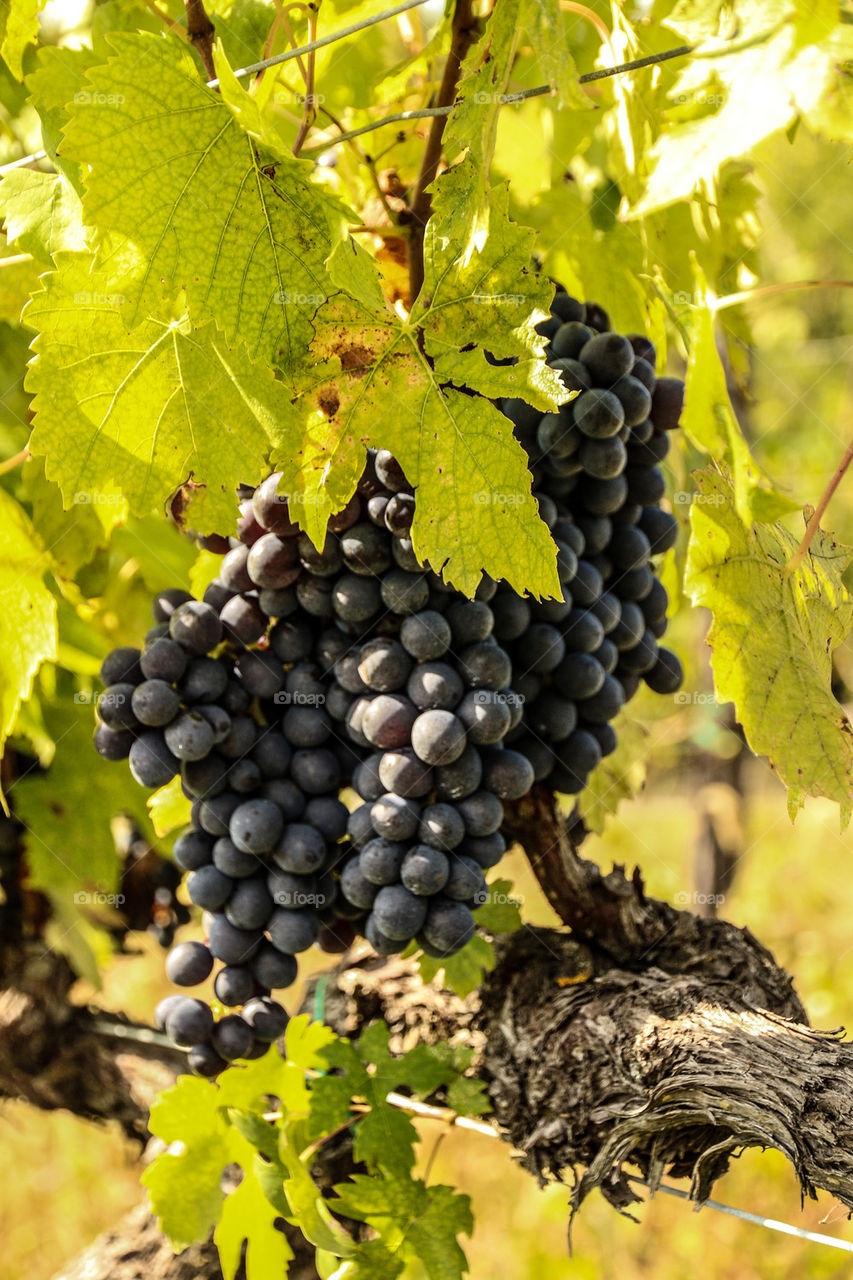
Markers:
point(309, 111)
point(770, 290)
point(9, 464)
point(814, 523)
point(200, 33)
point(462, 35)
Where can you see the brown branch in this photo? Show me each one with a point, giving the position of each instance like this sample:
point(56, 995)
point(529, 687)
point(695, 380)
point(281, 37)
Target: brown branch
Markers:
point(200, 31)
point(814, 524)
point(462, 35)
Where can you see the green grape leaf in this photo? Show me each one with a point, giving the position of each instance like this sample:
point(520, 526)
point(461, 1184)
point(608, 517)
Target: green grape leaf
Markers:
point(184, 1185)
point(306, 1041)
point(19, 24)
point(247, 236)
point(308, 1208)
point(468, 1097)
point(619, 776)
point(42, 213)
point(463, 972)
point(57, 79)
point(475, 511)
point(169, 807)
point(500, 913)
point(145, 410)
point(67, 811)
point(772, 635)
point(422, 1222)
point(27, 611)
point(73, 538)
point(247, 1215)
point(709, 419)
point(549, 38)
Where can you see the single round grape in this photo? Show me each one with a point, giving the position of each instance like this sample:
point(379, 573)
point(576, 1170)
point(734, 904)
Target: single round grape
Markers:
point(189, 1023)
point(166, 602)
point(123, 666)
point(580, 752)
point(316, 770)
point(449, 926)
point(379, 862)
point(425, 635)
point(164, 1008)
point(579, 675)
point(603, 459)
point(217, 594)
point(506, 773)
point(435, 686)
point(209, 888)
point(381, 944)
point(261, 674)
point(189, 963)
point(189, 736)
point(603, 497)
point(163, 660)
point(438, 737)
point(270, 508)
point(240, 738)
point(243, 618)
point(366, 549)
point(388, 719)
point(481, 813)
point(196, 627)
point(233, 985)
point(603, 705)
point(113, 744)
point(235, 569)
point(230, 944)
point(272, 754)
point(598, 415)
point(315, 597)
point(355, 886)
point(441, 826)
point(347, 675)
point(461, 778)
point(511, 616)
point(384, 665)
point(402, 772)
point(640, 658)
point(115, 707)
point(192, 849)
point(607, 656)
point(360, 825)
point(485, 715)
point(487, 851)
point(485, 666)
point(404, 556)
point(356, 598)
point(328, 815)
point(236, 699)
point(215, 812)
point(293, 930)
point(231, 1037)
point(151, 762)
point(404, 593)
point(266, 1018)
point(395, 817)
point(290, 890)
point(232, 861)
point(278, 604)
point(347, 516)
point(634, 398)
point(582, 633)
point(398, 913)
point(660, 528)
point(667, 675)
point(301, 849)
point(324, 562)
point(424, 870)
point(645, 485)
point(667, 403)
point(204, 1061)
point(250, 904)
point(566, 307)
point(306, 726)
point(466, 879)
point(400, 514)
point(292, 639)
point(256, 826)
point(551, 717)
point(543, 649)
point(630, 627)
point(273, 969)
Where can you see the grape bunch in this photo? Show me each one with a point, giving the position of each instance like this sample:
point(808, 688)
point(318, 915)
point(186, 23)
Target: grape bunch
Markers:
point(306, 672)
point(595, 466)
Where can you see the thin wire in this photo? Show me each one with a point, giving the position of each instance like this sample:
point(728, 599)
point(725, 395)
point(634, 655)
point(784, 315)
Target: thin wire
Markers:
point(772, 1224)
point(19, 164)
point(322, 42)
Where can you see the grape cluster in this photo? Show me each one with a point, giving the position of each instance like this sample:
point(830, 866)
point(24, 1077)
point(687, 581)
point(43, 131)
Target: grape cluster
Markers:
point(595, 466)
point(306, 671)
